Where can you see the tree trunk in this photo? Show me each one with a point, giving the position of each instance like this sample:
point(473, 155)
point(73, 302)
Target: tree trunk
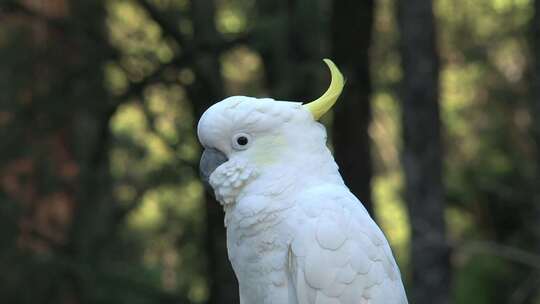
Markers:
point(64, 140)
point(207, 90)
point(290, 46)
point(352, 23)
point(271, 43)
point(305, 50)
point(535, 31)
point(422, 151)
point(535, 111)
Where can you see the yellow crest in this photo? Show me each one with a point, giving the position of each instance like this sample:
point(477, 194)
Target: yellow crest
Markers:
point(322, 104)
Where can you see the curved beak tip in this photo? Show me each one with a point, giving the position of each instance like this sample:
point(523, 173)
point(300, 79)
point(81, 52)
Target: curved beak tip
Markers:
point(210, 160)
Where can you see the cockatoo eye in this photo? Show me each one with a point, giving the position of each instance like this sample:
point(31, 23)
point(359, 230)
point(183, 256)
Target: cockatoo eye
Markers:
point(241, 141)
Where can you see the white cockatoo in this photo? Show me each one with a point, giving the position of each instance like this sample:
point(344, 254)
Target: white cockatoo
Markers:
point(295, 233)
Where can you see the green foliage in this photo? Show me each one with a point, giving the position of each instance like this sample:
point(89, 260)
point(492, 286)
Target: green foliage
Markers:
point(97, 121)
point(479, 277)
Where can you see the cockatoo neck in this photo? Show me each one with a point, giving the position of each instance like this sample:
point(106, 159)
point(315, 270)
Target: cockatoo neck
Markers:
point(299, 171)
point(306, 161)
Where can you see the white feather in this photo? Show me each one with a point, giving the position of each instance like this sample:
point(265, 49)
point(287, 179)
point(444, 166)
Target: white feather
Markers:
point(295, 233)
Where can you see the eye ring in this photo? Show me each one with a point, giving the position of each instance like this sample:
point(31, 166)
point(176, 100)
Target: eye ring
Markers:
point(241, 141)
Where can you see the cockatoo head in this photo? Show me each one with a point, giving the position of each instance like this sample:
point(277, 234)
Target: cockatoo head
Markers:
point(245, 138)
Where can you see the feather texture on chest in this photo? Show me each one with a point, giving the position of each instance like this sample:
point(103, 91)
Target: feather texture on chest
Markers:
point(252, 215)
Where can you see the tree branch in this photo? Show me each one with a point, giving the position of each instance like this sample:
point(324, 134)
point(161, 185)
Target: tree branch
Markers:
point(189, 48)
point(504, 251)
point(165, 24)
point(178, 61)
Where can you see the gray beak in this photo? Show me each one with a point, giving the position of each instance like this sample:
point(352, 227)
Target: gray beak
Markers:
point(210, 160)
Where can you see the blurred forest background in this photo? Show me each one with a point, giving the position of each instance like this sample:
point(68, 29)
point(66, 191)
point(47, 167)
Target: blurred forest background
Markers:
point(437, 132)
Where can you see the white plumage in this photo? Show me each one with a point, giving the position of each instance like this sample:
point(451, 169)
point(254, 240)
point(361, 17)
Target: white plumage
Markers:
point(295, 233)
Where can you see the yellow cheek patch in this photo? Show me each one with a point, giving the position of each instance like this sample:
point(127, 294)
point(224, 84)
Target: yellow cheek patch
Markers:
point(266, 150)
